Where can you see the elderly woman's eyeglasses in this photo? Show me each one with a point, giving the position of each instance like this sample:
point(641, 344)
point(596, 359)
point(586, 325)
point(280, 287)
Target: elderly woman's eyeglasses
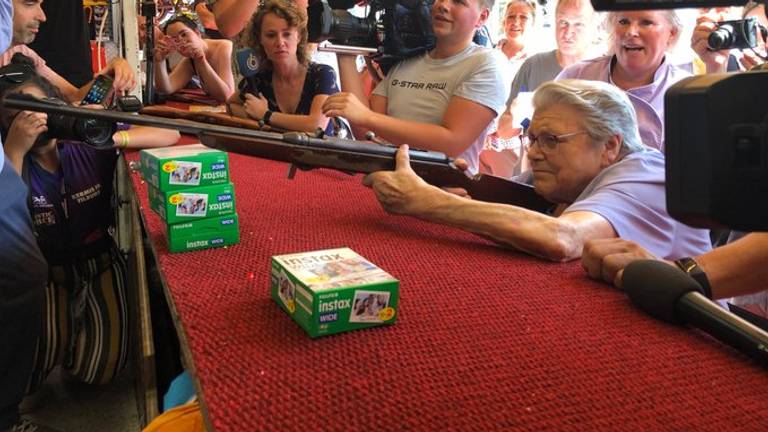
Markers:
point(547, 142)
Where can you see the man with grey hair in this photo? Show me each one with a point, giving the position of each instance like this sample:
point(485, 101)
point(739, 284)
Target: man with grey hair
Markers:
point(586, 158)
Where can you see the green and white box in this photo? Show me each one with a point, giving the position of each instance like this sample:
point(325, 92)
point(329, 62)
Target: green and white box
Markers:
point(190, 204)
point(203, 234)
point(183, 167)
point(334, 290)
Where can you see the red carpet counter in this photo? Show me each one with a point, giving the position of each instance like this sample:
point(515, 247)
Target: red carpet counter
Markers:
point(485, 338)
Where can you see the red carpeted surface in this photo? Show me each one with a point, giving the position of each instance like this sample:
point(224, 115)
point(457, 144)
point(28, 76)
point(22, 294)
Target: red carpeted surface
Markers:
point(487, 339)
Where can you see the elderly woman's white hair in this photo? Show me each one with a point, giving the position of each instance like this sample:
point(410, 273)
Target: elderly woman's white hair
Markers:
point(606, 109)
point(673, 19)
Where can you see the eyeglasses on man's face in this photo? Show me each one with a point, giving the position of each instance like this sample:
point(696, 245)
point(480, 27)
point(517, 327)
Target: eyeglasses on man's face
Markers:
point(547, 142)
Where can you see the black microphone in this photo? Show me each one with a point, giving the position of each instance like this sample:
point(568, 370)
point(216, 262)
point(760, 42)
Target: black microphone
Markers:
point(669, 294)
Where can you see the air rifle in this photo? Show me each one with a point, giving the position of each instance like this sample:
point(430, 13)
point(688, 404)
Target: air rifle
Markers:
point(307, 151)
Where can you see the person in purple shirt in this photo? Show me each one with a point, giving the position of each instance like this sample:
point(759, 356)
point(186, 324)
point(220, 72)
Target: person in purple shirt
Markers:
point(85, 326)
point(587, 158)
point(638, 65)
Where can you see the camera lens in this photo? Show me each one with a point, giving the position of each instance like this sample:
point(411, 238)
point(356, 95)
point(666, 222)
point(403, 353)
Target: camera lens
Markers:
point(721, 38)
point(95, 132)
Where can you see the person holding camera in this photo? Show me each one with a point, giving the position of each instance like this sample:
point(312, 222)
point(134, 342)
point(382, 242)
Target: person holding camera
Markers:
point(206, 61)
point(443, 100)
point(278, 37)
point(721, 60)
point(27, 17)
point(587, 159)
point(70, 184)
point(638, 65)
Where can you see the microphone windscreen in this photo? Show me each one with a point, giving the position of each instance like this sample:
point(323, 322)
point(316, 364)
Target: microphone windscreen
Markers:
point(655, 287)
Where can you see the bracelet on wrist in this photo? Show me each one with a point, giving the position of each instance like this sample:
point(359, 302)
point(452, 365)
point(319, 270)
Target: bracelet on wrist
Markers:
point(692, 269)
point(125, 139)
point(267, 116)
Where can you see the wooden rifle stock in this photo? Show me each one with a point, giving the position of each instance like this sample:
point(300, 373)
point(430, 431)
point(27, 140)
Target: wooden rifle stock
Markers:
point(306, 151)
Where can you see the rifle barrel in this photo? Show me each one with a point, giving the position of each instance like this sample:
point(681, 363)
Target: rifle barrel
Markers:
point(30, 103)
point(307, 151)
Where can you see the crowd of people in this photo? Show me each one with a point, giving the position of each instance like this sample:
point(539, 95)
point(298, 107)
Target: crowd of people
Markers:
point(593, 147)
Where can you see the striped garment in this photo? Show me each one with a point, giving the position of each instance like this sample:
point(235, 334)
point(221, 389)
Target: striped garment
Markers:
point(86, 320)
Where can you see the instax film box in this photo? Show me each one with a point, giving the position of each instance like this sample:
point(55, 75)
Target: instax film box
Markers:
point(190, 204)
point(203, 234)
point(333, 291)
point(183, 167)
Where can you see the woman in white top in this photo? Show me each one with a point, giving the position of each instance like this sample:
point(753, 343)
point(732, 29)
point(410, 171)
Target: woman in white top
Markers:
point(519, 18)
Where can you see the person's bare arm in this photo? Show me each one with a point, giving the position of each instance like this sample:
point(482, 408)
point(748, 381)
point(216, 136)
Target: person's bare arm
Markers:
point(352, 82)
point(715, 61)
point(123, 80)
point(737, 268)
point(139, 137)
point(71, 93)
point(166, 82)
point(554, 238)
point(205, 15)
point(233, 15)
point(175, 80)
point(22, 134)
point(235, 106)
point(462, 123)
point(216, 73)
point(306, 123)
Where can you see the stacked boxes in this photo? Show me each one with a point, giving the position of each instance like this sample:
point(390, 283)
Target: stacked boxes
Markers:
point(334, 290)
point(189, 188)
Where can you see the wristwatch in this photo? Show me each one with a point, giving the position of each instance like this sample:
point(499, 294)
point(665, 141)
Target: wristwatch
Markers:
point(266, 117)
point(692, 269)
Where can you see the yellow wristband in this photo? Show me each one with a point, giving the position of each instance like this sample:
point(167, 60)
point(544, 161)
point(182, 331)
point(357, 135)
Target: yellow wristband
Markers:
point(124, 139)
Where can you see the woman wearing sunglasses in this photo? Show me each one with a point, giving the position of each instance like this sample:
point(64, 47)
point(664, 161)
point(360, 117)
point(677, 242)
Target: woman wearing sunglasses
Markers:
point(586, 158)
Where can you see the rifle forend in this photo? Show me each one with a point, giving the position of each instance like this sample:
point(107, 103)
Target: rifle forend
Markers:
point(306, 151)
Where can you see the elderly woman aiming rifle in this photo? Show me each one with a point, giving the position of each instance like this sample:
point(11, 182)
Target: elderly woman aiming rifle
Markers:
point(586, 157)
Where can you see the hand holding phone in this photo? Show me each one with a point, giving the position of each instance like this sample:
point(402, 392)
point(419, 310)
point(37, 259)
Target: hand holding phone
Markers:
point(100, 91)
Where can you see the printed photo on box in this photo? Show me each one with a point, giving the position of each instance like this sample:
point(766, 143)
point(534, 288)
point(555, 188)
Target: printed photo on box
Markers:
point(192, 205)
point(286, 292)
point(367, 305)
point(186, 173)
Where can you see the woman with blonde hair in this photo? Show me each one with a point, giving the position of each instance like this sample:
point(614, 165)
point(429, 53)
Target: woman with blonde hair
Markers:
point(519, 19)
point(637, 64)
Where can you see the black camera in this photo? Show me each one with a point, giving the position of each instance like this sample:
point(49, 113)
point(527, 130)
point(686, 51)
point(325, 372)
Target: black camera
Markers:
point(94, 132)
point(738, 34)
point(396, 29)
point(717, 150)
point(612, 5)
